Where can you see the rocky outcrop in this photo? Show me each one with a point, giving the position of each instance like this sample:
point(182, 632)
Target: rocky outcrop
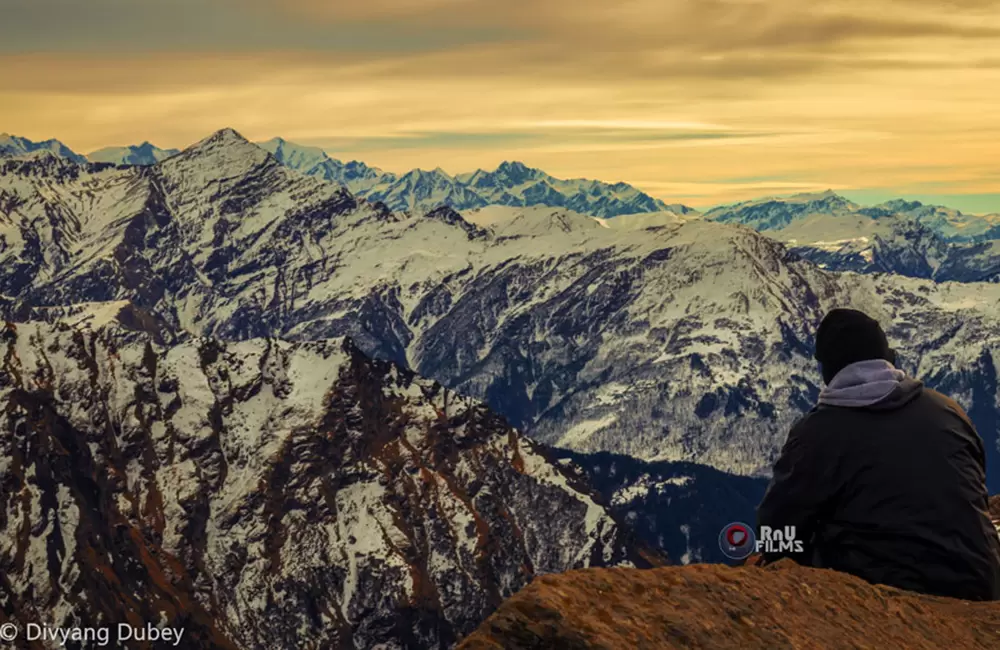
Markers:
point(267, 494)
point(783, 606)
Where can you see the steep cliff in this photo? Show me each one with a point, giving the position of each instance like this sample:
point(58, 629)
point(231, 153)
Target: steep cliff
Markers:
point(266, 494)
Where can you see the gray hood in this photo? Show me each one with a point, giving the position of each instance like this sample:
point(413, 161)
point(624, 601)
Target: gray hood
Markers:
point(870, 383)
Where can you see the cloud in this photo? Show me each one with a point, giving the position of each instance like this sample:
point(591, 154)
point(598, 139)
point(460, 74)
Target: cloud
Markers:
point(840, 93)
point(218, 26)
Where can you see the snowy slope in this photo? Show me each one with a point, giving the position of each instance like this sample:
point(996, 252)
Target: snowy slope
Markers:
point(776, 213)
point(265, 493)
point(681, 341)
point(896, 237)
point(645, 220)
point(355, 176)
point(950, 224)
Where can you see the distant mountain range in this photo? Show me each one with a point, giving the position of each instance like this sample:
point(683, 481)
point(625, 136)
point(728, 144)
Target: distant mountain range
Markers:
point(515, 184)
point(512, 183)
point(901, 237)
point(653, 335)
point(12, 145)
point(143, 154)
point(780, 214)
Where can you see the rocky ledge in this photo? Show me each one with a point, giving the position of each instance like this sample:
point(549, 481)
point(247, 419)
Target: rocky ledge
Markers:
point(718, 607)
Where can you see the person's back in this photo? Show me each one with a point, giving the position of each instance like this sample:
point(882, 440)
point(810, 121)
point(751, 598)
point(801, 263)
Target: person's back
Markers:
point(885, 479)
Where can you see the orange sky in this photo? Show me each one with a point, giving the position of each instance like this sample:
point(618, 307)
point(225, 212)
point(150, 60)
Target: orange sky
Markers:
point(698, 101)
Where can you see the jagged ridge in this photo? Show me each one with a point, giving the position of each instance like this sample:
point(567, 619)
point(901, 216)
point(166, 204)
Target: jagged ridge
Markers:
point(262, 493)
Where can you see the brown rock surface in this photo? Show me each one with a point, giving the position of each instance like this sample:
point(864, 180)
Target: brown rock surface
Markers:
point(718, 607)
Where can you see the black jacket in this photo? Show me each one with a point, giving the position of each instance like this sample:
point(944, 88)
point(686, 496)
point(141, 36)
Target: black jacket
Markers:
point(894, 493)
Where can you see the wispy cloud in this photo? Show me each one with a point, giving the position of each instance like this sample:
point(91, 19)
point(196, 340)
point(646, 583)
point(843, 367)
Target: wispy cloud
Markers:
point(216, 26)
point(846, 93)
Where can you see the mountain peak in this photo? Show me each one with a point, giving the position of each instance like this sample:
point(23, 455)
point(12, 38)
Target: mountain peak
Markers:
point(225, 138)
point(227, 135)
point(420, 174)
point(13, 145)
point(515, 172)
point(224, 154)
point(144, 154)
point(903, 205)
point(825, 195)
point(512, 165)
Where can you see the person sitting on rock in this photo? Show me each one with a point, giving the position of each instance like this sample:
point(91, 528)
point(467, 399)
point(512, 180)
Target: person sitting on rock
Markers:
point(885, 479)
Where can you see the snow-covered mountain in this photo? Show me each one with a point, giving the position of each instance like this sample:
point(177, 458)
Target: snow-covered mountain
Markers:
point(355, 176)
point(950, 224)
point(12, 145)
point(143, 154)
point(777, 214)
point(511, 184)
point(896, 237)
point(261, 494)
point(515, 184)
point(685, 341)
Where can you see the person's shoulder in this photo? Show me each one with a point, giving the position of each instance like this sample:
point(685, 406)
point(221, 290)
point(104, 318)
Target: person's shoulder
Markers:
point(944, 402)
point(815, 421)
point(941, 400)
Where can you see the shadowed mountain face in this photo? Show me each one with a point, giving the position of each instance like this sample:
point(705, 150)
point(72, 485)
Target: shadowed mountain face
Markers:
point(261, 493)
point(685, 340)
point(677, 508)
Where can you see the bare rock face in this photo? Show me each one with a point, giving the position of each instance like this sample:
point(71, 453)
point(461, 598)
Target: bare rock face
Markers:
point(709, 606)
point(266, 494)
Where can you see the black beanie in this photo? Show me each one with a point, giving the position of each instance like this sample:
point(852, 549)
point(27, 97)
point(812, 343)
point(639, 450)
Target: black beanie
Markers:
point(847, 336)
